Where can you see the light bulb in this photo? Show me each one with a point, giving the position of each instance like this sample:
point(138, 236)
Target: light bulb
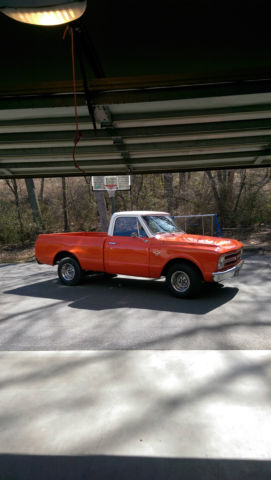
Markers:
point(47, 16)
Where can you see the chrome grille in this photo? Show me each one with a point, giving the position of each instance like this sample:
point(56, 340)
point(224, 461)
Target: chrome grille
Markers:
point(233, 258)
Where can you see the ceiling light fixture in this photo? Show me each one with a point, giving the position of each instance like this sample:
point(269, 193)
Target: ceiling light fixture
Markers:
point(43, 12)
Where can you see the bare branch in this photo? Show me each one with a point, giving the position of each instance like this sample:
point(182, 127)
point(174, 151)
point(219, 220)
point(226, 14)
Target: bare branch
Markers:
point(10, 186)
point(242, 184)
point(213, 185)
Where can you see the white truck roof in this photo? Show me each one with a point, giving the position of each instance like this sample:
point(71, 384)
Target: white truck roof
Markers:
point(138, 212)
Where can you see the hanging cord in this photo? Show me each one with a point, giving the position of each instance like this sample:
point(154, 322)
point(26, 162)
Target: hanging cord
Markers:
point(78, 134)
point(80, 46)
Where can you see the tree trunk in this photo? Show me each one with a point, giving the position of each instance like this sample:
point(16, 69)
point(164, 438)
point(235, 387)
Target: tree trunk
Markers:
point(34, 203)
point(214, 187)
point(168, 187)
point(131, 200)
point(100, 200)
point(182, 185)
point(135, 191)
point(64, 205)
point(222, 187)
point(243, 176)
point(217, 194)
point(88, 184)
point(14, 189)
point(41, 190)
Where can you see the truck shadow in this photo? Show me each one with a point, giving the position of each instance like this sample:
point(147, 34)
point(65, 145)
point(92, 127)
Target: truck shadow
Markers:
point(98, 293)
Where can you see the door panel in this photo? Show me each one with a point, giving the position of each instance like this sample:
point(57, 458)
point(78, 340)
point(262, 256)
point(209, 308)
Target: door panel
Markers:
point(127, 255)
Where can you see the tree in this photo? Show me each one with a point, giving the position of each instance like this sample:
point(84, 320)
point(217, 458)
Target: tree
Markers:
point(64, 205)
point(41, 189)
point(12, 184)
point(228, 187)
point(135, 191)
point(222, 183)
point(34, 203)
point(168, 187)
point(88, 184)
point(100, 200)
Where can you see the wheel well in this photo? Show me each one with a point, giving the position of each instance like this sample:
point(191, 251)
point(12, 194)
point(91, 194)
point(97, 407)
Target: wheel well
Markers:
point(177, 260)
point(61, 255)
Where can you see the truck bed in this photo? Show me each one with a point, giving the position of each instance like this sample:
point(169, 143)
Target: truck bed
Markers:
point(87, 247)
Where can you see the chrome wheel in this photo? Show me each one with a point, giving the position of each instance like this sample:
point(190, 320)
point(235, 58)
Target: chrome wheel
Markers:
point(180, 281)
point(184, 279)
point(68, 271)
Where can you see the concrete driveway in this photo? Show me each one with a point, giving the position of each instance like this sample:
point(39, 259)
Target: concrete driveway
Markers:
point(119, 380)
point(39, 313)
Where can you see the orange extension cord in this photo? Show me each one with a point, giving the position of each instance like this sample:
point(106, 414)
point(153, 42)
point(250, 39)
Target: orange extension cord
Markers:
point(78, 134)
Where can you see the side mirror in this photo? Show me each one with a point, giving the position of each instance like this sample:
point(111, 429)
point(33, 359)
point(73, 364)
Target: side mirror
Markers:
point(134, 234)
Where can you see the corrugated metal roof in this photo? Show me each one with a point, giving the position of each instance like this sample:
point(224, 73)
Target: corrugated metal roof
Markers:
point(176, 86)
point(218, 132)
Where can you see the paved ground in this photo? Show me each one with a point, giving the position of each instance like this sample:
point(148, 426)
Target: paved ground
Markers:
point(135, 415)
point(39, 313)
point(124, 381)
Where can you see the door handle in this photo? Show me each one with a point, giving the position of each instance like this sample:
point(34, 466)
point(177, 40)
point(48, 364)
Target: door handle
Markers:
point(112, 243)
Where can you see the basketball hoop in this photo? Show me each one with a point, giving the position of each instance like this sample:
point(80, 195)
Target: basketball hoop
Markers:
point(111, 184)
point(123, 182)
point(111, 189)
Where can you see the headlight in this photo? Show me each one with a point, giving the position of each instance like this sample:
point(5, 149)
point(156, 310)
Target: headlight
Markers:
point(221, 261)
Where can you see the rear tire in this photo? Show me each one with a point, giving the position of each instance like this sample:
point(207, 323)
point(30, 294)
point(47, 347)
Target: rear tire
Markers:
point(69, 271)
point(183, 280)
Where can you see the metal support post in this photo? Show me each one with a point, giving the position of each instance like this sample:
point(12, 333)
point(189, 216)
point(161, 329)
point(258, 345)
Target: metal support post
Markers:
point(113, 204)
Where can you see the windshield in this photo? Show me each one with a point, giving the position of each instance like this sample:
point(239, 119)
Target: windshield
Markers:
point(161, 224)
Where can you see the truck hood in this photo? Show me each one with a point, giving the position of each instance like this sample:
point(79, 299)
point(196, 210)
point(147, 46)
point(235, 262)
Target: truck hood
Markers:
point(217, 243)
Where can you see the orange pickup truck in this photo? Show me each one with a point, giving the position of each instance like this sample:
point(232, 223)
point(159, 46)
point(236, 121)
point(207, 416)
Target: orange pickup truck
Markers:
point(143, 244)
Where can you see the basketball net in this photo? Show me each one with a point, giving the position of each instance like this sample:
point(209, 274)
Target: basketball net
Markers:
point(111, 189)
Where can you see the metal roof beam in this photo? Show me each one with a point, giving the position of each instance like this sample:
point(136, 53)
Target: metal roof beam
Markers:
point(118, 145)
point(107, 162)
point(243, 127)
point(251, 112)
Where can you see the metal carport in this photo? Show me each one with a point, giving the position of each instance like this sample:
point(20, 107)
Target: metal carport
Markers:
point(164, 98)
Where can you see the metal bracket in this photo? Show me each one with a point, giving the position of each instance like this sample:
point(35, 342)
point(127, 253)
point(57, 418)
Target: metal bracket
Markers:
point(103, 116)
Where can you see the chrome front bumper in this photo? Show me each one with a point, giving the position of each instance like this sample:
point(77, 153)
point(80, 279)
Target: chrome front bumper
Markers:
point(226, 274)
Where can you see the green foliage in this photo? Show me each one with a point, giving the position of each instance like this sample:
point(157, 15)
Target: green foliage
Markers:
point(9, 231)
point(254, 210)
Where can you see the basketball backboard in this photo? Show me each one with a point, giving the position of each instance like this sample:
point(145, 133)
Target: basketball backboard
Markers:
point(120, 182)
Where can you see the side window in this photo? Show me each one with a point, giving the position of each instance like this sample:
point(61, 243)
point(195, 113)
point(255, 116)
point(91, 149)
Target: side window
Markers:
point(141, 231)
point(125, 226)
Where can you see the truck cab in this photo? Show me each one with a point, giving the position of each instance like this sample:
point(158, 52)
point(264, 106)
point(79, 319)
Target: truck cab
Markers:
point(131, 241)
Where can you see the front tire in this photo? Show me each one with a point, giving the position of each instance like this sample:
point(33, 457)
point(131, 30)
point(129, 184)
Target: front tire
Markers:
point(69, 271)
point(183, 280)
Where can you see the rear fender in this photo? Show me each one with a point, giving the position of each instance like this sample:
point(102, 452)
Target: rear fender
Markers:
point(64, 254)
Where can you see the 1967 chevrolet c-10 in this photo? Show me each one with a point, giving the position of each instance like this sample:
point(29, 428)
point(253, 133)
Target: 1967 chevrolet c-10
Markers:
point(143, 244)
